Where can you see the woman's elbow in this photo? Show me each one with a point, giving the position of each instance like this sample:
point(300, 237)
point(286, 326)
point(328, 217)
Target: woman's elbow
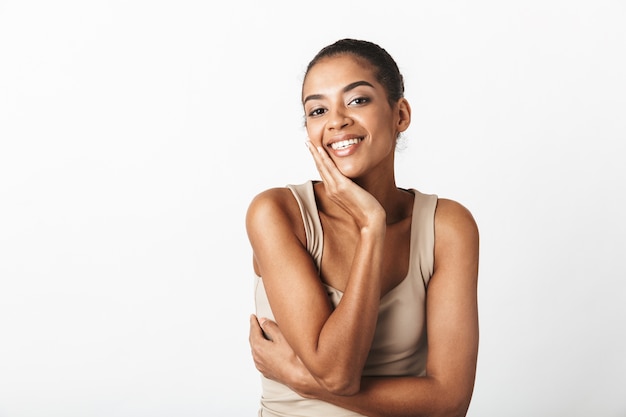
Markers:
point(342, 385)
point(451, 398)
point(455, 412)
point(455, 407)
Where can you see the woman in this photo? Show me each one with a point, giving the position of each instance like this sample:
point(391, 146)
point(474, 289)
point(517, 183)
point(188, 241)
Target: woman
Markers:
point(366, 292)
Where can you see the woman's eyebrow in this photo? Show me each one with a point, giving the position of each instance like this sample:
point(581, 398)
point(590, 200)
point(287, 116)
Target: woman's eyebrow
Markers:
point(355, 85)
point(312, 97)
point(347, 88)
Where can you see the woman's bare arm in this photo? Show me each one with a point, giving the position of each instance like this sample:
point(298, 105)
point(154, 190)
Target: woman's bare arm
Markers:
point(452, 325)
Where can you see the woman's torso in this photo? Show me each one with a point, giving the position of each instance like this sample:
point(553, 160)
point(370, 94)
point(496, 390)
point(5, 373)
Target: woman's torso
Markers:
point(399, 347)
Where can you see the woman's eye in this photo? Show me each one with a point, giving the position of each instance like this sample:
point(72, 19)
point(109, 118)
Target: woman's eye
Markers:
point(316, 112)
point(359, 100)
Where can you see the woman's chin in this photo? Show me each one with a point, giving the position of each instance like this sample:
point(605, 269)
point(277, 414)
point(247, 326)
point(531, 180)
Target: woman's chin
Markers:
point(349, 171)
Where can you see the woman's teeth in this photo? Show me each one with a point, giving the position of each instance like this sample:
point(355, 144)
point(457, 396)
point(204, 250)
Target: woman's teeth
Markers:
point(345, 143)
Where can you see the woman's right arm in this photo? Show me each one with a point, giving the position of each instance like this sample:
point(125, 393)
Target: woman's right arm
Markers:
point(452, 326)
point(332, 344)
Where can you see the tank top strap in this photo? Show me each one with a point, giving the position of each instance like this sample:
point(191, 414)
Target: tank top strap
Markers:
point(423, 234)
point(305, 196)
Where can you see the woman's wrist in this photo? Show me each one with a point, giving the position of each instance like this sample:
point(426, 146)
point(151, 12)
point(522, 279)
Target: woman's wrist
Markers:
point(374, 224)
point(303, 383)
point(374, 232)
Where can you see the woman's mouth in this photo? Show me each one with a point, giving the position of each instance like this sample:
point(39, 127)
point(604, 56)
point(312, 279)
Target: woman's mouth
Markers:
point(343, 144)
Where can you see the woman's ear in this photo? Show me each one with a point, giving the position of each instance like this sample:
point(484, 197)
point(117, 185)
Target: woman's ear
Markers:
point(404, 115)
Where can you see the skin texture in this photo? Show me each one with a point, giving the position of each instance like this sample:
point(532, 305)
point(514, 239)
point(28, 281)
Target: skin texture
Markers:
point(320, 352)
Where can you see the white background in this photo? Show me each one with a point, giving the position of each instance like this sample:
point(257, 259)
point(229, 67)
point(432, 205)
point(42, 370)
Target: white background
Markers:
point(134, 134)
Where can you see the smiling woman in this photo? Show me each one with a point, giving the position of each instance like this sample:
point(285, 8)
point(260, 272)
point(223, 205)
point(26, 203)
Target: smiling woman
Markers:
point(366, 292)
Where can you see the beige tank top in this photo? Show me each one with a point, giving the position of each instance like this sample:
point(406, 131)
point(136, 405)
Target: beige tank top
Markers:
point(399, 347)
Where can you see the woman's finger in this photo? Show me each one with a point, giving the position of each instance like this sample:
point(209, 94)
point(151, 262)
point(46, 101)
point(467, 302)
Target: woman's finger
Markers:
point(329, 172)
point(257, 344)
point(270, 330)
point(329, 165)
point(321, 166)
point(256, 332)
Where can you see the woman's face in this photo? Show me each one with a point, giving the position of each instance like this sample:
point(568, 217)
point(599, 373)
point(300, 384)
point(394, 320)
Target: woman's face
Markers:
point(347, 113)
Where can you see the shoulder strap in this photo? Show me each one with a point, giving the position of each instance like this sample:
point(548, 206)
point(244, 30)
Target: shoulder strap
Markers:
point(423, 234)
point(305, 196)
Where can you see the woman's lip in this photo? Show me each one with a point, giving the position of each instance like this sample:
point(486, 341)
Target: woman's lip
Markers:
point(347, 151)
point(342, 138)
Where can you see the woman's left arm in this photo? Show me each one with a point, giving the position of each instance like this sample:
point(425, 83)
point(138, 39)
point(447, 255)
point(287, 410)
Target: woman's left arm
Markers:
point(452, 326)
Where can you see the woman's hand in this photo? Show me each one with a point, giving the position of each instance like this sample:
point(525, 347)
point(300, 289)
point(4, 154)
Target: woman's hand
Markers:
point(276, 360)
point(361, 205)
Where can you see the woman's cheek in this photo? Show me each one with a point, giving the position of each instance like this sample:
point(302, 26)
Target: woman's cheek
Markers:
point(314, 135)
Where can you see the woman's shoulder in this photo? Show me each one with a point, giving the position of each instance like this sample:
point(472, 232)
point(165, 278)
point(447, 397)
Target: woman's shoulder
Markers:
point(276, 199)
point(274, 206)
point(274, 194)
point(454, 222)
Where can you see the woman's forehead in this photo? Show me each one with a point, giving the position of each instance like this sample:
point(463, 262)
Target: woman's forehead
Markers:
point(338, 70)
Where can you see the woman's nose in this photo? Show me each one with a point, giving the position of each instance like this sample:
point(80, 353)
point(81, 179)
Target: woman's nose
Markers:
point(339, 119)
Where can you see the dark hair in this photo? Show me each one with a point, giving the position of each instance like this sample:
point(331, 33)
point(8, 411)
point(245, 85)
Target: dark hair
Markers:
point(385, 68)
